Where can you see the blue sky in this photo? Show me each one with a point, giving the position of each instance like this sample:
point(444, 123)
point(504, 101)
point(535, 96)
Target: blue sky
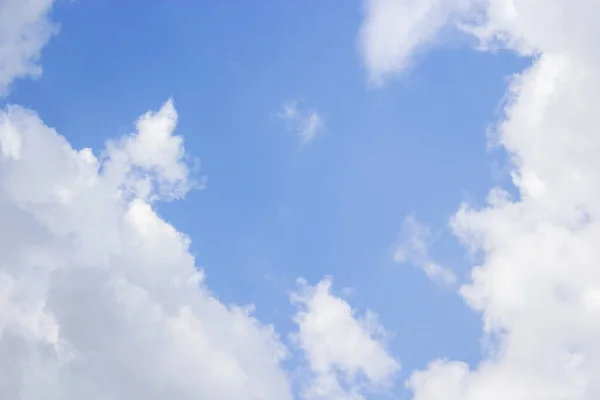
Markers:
point(274, 210)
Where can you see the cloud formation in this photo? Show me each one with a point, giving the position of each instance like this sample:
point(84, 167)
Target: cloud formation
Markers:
point(413, 247)
point(345, 354)
point(100, 296)
point(395, 31)
point(538, 286)
point(305, 122)
point(25, 28)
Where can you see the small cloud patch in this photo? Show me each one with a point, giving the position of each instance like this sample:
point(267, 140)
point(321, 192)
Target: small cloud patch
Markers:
point(306, 122)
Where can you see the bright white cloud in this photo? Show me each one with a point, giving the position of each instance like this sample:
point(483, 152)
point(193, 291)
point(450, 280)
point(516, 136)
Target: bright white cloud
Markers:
point(345, 353)
point(306, 122)
point(100, 297)
point(538, 286)
point(24, 30)
point(413, 247)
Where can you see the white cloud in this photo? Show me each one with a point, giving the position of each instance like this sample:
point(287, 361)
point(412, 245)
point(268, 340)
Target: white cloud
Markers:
point(395, 31)
point(99, 297)
point(538, 286)
point(306, 122)
point(345, 353)
point(413, 247)
point(24, 30)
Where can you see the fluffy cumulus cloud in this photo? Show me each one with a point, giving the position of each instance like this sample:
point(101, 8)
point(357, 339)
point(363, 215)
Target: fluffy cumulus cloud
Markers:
point(345, 352)
point(413, 247)
point(538, 285)
point(99, 296)
point(25, 28)
point(304, 121)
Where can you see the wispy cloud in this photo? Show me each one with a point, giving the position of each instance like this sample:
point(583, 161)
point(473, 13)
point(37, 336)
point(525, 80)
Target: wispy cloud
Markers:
point(305, 121)
point(395, 32)
point(413, 247)
point(26, 29)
